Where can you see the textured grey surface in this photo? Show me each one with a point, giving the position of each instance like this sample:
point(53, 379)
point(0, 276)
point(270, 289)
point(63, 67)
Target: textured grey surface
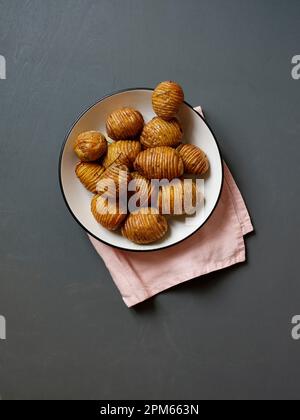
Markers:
point(68, 333)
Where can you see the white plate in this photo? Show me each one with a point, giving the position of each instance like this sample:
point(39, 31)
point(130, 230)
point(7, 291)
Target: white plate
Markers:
point(78, 199)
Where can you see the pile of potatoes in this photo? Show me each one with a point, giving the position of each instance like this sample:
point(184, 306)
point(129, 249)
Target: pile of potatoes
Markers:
point(141, 152)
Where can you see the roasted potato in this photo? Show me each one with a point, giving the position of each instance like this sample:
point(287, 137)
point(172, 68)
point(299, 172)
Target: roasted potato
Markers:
point(159, 163)
point(145, 226)
point(159, 132)
point(106, 213)
point(122, 152)
point(194, 159)
point(90, 146)
point(125, 123)
point(89, 173)
point(166, 99)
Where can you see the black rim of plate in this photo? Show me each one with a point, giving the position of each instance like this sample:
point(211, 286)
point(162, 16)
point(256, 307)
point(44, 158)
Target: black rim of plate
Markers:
point(66, 201)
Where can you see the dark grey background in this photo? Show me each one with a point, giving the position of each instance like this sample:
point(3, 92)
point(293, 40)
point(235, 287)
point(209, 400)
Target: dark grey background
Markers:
point(69, 335)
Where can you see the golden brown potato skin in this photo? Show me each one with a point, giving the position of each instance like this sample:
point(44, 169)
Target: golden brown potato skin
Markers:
point(125, 123)
point(166, 99)
point(194, 159)
point(108, 215)
point(159, 163)
point(116, 176)
point(145, 226)
point(90, 146)
point(173, 198)
point(159, 132)
point(123, 152)
point(89, 173)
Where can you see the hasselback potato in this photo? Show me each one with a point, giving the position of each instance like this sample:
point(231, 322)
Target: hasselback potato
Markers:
point(106, 213)
point(124, 123)
point(90, 146)
point(194, 159)
point(166, 99)
point(159, 132)
point(89, 173)
point(145, 226)
point(159, 163)
point(122, 152)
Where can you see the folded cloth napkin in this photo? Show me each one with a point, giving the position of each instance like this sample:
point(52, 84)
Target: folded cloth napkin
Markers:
point(218, 244)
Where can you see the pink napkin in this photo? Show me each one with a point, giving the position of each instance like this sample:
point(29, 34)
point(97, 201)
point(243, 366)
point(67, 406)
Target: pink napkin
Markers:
point(219, 244)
